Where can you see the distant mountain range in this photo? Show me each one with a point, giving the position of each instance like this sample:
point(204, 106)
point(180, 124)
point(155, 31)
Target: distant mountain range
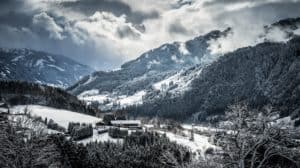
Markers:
point(40, 67)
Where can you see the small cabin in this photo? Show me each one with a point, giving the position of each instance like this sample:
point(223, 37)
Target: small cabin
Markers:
point(127, 123)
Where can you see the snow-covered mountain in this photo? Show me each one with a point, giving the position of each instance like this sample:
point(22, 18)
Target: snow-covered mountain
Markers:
point(165, 81)
point(137, 77)
point(266, 74)
point(40, 67)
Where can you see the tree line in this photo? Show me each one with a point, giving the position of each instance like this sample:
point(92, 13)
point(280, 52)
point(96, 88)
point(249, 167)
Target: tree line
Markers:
point(21, 92)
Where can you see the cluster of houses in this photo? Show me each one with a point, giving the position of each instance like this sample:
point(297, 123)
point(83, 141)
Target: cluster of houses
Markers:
point(117, 125)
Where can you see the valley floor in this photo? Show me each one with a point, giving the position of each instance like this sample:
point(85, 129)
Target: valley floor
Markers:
point(63, 117)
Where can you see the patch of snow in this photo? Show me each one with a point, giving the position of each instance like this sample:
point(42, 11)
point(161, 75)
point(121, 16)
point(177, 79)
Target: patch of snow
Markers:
point(40, 63)
point(56, 67)
point(182, 49)
point(51, 58)
point(163, 47)
point(91, 79)
point(111, 99)
point(18, 58)
point(116, 69)
point(98, 98)
point(148, 126)
point(89, 93)
point(62, 117)
point(178, 83)
point(3, 74)
point(297, 32)
point(200, 128)
point(152, 62)
point(199, 145)
point(3, 110)
point(285, 122)
point(137, 98)
point(30, 123)
point(38, 81)
point(175, 59)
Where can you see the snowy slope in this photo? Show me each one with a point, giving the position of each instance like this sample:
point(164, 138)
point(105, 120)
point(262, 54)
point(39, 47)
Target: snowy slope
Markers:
point(199, 145)
point(128, 85)
point(152, 66)
point(62, 117)
point(109, 100)
point(177, 84)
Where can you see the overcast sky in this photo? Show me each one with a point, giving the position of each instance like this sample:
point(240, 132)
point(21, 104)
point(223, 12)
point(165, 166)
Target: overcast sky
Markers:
point(106, 33)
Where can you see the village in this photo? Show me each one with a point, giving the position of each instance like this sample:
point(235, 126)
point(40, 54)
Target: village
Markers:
point(110, 126)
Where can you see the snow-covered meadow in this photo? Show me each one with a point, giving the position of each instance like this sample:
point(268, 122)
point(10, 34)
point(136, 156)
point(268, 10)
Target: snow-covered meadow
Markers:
point(199, 145)
point(62, 117)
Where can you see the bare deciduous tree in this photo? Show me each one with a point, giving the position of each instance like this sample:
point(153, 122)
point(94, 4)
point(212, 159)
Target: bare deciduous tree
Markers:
point(255, 140)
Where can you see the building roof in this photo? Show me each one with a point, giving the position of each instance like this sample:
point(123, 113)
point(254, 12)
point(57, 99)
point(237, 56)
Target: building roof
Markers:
point(116, 122)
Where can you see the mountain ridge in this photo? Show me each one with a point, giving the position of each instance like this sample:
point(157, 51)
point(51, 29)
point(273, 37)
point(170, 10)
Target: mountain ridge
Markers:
point(40, 67)
point(152, 66)
point(267, 73)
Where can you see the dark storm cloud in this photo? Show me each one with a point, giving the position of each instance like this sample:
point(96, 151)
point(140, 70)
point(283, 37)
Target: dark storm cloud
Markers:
point(118, 8)
point(9, 5)
point(11, 13)
point(16, 19)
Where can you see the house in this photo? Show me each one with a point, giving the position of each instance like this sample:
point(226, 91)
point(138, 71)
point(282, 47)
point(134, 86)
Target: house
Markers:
point(127, 123)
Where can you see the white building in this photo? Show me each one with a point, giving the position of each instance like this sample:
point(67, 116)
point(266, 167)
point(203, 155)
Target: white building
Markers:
point(126, 123)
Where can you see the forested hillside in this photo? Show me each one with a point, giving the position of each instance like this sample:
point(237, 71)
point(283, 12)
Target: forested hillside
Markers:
point(265, 74)
point(22, 93)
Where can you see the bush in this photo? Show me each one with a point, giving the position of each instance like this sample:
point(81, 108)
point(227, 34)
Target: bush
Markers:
point(297, 123)
point(53, 125)
point(117, 133)
point(79, 132)
point(148, 150)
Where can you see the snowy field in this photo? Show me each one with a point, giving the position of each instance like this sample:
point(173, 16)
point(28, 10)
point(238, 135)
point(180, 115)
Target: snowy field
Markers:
point(180, 80)
point(200, 128)
point(199, 145)
point(62, 117)
point(123, 100)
